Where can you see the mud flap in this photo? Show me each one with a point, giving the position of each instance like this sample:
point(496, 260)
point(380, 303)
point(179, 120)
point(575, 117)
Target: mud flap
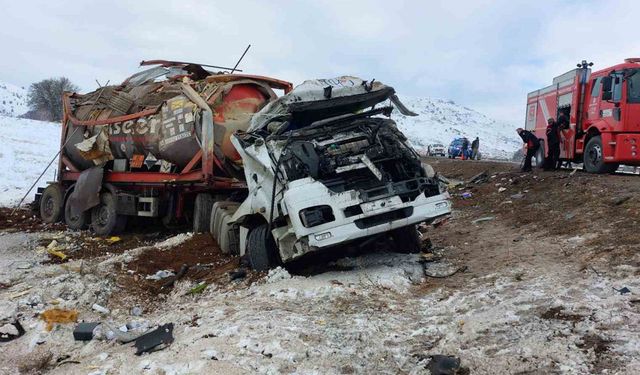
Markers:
point(86, 193)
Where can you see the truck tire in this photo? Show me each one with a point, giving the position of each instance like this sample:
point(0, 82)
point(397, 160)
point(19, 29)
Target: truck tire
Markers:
point(593, 158)
point(51, 204)
point(78, 222)
point(225, 235)
point(407, 240)
point(202, 212)
point(104, 218)
point(262, 249)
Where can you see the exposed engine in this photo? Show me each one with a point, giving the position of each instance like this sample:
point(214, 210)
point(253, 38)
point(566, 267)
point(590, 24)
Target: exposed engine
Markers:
point(369, 155)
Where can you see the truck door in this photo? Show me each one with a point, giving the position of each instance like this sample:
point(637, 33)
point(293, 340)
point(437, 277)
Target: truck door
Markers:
point(567, 136)
point(609, 106)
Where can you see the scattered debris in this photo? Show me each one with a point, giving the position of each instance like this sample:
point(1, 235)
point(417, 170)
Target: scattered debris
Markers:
point(84, 331)
point(483, 219)
point(155, 340)
point(569, 215)
point(623, 290)
point(460, 269)
point(113, 239)
point(52, 316)
point(162, 274)
point(100, 309)
point(466, 195)
point(501, 189)
point(445, 365)
point(239, 273)
point(517, 196)
point(11, 331)
point(198, 288)
point(179, 275)
point(620, 200)
point(480, 178)
point(136, 311)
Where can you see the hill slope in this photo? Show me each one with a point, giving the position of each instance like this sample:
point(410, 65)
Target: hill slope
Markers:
point(440, 121)
point(27, 147)
point(13, 100)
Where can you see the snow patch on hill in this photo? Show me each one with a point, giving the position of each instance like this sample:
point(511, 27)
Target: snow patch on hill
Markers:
point(440, 121)
point(27, 147)
point(13, 100)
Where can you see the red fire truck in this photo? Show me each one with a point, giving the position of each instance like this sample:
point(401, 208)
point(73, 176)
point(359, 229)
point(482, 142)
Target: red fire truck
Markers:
point(603, 109)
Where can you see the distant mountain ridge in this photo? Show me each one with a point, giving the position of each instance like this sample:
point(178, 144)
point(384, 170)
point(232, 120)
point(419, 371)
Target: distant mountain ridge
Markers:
point(440, 121)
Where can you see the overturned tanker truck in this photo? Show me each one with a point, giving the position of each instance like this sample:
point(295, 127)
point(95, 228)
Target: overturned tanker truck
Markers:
point(271, 178)
point(157, 145)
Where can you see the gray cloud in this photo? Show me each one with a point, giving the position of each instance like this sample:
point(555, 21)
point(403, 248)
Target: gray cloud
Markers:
point(483, 54)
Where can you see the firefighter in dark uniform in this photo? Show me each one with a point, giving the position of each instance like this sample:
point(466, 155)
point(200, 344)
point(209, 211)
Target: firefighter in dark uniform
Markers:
point(553, 141)
point(533, 143)
point(475, 145)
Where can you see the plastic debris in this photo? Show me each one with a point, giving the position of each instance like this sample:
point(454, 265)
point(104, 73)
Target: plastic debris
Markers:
point(52, 316)
point(500, 190)
point(113, 239)
point(162, 274)
point(198, 288)
point(84, 331)
point(55, 251)
point(483, 219)
point(100, 309)
point(240, 273)
point(136, 311)
point(155, 340)
point(623, 290)
point(445, 365)
point(466, 195)
point(11, 331)
point(517, 196)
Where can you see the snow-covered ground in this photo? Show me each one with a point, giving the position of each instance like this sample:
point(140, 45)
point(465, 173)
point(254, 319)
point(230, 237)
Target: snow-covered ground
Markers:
point(440, 121)
point(382, 316)
point(27, 147)
point(13, 100)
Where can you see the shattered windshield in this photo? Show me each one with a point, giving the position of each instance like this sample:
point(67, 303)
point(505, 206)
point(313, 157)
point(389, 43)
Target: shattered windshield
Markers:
point(633, 86)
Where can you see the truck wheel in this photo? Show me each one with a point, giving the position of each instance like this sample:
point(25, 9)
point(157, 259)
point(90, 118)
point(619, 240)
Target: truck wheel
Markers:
point(407, 240)
point(104, 219)
point(262, 249)
point(593, 158)
point(202, 212)
point(51, 204)
point(78, 222)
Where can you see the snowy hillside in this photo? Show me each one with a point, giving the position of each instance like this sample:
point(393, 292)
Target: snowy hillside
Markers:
point(27, 147)
point(13, 100)
point(440, 121)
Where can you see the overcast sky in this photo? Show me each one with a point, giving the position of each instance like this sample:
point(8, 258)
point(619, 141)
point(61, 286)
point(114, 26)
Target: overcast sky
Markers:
point(483, 54)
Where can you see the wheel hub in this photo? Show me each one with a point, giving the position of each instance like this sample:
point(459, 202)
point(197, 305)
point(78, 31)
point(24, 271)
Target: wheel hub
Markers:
point(595, 154)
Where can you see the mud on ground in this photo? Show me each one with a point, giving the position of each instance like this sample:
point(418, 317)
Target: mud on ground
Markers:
point(539, 292)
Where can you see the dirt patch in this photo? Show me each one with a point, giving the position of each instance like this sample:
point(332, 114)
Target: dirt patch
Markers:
point(200, 260)
point(24, 220)
point(599, 210)
point(557, 313)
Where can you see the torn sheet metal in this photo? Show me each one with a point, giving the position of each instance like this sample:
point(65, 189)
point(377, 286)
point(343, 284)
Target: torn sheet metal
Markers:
point(155, 112)
point(86, 192)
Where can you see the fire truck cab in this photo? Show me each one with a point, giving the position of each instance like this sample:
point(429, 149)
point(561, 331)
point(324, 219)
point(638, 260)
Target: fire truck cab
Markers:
point(603, 109)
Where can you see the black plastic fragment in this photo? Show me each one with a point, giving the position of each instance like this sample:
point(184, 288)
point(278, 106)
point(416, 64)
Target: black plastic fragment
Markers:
point(84, 331)
point(5, 337)
point(162, 335)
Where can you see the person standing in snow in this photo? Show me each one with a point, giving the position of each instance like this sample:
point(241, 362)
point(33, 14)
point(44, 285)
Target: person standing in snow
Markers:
point(533, 143)
point(553, 141)
point(465, 149)
point(475, 145)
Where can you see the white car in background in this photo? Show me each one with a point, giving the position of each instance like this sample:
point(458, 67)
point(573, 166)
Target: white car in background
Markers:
point(436, 149)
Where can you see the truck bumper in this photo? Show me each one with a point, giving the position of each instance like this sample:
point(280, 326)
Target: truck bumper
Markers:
point(376, 216)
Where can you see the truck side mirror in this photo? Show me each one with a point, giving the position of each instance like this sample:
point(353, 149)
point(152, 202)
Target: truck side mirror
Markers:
point(606, 88)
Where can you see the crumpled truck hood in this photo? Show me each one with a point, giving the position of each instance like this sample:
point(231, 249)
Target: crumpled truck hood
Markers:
point(318, 99)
